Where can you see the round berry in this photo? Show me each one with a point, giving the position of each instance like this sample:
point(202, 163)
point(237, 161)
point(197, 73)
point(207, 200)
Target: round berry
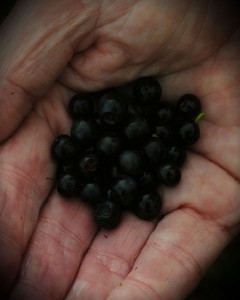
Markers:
point(124, 190)
point(189, 133)
point(109, 146)
point(154, 153)
point(107, 214)
point(169, 174)
point(165, 113)
point(84, 132)
point(91, 193)
point(189, 106)
point(130, 163)
point(177, 155)
point(81, 105)
point(68, 185)
point(137, 131)
point(148, 206)
point(147, 91)
point(88, 165)
point(63, 148)
point(124, 142)
point(111, 109)
point(165, 133)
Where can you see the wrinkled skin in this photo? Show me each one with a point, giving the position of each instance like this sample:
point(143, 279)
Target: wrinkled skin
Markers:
point(50, 247)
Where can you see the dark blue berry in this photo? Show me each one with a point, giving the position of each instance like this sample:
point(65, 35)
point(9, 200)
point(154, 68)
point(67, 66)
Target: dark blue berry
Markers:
point(109, 146)
point(68, 185)
point(111, 109)
point(84, 132)
point(107, 214)
point(165, 113)
point(124, 190)
point(154, 153)
point(147, 91)
point(91, 193)
point(165, 133)
point(124, 142)
point(81, 105)
point(130, 163)
point(169, 174)
point(88, 165)
point(137, 131)
point(63, 148)
point(188, 133)
point(189, 106)
point(177, 155)
point(148, 206)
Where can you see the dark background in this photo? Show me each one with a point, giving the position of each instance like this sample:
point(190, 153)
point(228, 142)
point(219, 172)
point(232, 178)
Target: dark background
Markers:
point(222, 280)
point(5, 7)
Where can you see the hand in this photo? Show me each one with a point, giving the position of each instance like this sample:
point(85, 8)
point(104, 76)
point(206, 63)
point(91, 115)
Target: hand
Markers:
point(49, 52)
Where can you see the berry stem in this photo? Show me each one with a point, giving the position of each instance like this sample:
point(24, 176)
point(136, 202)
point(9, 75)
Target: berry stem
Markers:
point(200, 117)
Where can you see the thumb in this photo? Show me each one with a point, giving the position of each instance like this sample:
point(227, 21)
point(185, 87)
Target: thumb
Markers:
point(38, 39)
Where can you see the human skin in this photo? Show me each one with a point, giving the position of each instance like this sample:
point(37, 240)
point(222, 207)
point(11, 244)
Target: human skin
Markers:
point(50, 247)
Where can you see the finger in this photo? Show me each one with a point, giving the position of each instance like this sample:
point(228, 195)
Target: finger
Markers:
point(110, 258)
point(125, 48)
point(38, 39)
point(173, 260)
point(25, 164)
point(63, 233)
point(200, 220)
point(101, 66)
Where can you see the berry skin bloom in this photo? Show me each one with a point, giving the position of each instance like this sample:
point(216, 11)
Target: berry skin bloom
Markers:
point(130, 163)
point(84, 132)
point(91, 193)
point(124, 190)
point(109, 146)
point(137, 131)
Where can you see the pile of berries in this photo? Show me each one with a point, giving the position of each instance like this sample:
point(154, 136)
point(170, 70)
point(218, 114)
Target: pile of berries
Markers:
point(124, 143)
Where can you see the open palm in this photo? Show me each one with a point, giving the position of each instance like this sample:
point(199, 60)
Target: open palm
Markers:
point(50, 247)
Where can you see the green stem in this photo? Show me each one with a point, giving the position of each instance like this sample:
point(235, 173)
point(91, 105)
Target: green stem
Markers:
point(200, 117)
